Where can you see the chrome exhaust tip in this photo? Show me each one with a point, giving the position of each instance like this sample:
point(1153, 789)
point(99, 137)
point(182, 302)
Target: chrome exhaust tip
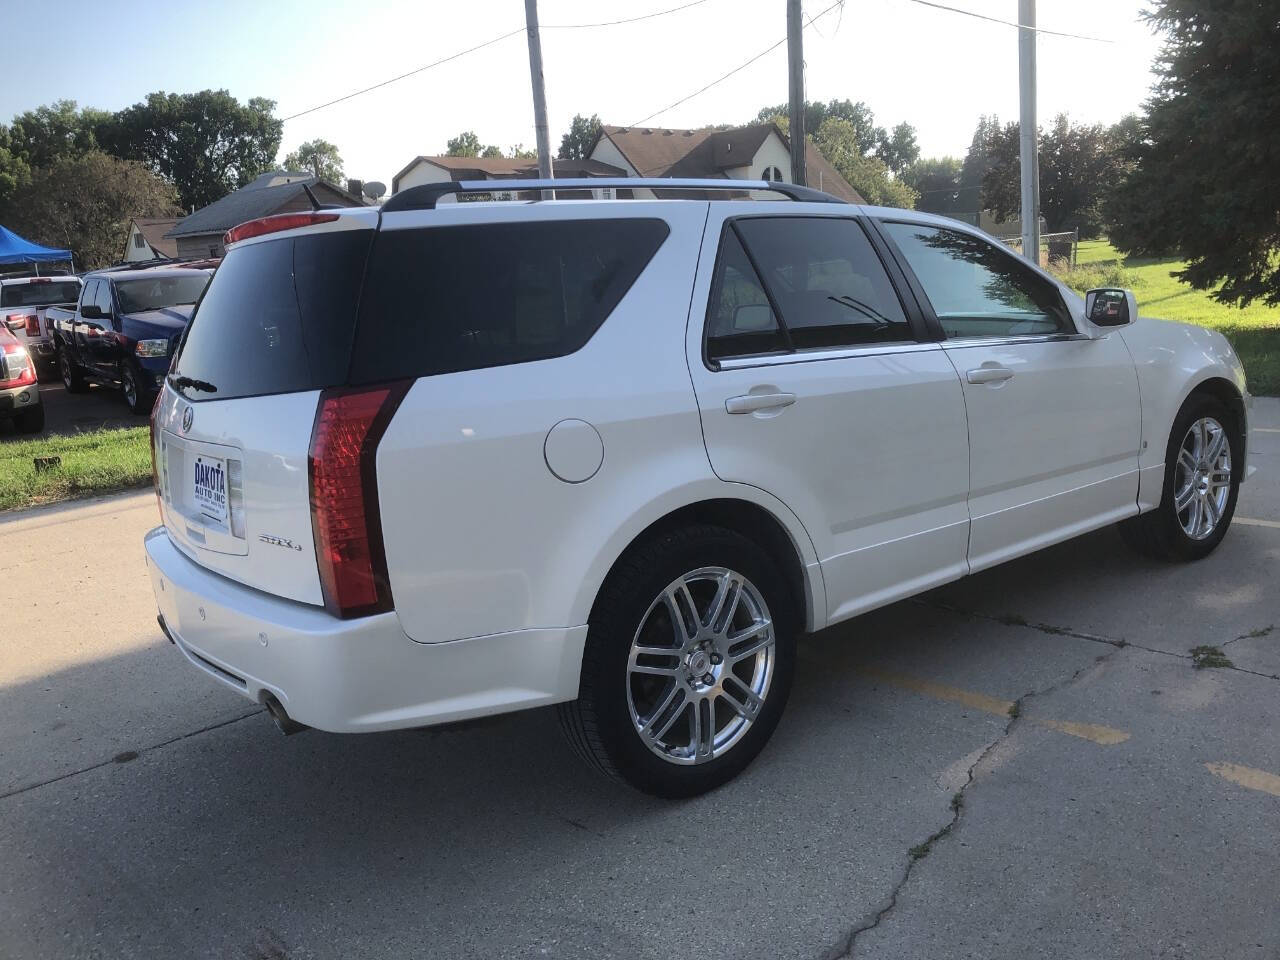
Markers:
point(285, 723)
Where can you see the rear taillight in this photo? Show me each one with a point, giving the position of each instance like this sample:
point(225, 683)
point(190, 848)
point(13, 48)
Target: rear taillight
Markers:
point(16, 369)
point(344, 497)
point(274, 224)
point(33, 325)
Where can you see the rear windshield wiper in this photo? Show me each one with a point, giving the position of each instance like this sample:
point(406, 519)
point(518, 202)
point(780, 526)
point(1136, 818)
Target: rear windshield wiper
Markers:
point(203, 385)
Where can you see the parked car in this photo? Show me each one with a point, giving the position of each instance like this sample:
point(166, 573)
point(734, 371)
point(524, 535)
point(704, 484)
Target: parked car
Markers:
point(428, 463)
point(24, 302)
point(123, 330)
point(19, 391)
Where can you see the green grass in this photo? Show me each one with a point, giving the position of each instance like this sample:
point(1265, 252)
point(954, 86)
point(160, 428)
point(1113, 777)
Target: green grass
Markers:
point(96, 462)
point(1254, 331)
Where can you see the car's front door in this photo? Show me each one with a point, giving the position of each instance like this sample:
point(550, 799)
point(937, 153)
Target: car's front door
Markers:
point(101, 341)
point(815, 383)
point(1054, 416)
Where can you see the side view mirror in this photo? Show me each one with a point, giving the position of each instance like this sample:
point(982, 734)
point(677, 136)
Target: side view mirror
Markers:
point(91, 311)
point(1109, 307)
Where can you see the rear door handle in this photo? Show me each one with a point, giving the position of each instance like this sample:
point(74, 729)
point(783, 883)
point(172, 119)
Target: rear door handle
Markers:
point(751, 402)
point(989, 375)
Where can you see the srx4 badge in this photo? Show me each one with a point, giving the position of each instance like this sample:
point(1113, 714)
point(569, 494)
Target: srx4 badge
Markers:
point(279, 541)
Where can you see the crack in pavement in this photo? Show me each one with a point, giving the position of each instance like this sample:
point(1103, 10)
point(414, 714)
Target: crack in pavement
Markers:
point(128, 755)
point(919, 852)
point(1119, 642)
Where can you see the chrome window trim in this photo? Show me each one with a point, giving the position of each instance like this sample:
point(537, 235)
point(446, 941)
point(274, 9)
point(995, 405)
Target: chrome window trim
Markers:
point(813, 355)
point(1011, 339)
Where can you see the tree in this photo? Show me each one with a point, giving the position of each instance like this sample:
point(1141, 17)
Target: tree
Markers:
point(816, 113)
point(84, 204)
point(465, 144)
point(1204, 186)
point(582, 136)
point(937, 181)
point(42, 136)
point(976, 164)
point(14, 171)
point(520, 152)
point(491, 151)
point(1079, 166)
point(315, 154)
point(841, 143)
point(898, 149)
point(207, 143)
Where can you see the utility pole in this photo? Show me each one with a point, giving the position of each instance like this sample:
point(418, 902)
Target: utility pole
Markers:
point(795, 72)
point(1030, 148)
point(539, 95)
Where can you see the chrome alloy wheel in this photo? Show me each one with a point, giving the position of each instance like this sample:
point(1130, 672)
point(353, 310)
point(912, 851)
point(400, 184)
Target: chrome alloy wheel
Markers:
point(700, 665)
point(1202, 479)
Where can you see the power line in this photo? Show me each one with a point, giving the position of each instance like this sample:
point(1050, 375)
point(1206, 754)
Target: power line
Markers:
point(489, 43)
point(740, 67)
point(1008, 23)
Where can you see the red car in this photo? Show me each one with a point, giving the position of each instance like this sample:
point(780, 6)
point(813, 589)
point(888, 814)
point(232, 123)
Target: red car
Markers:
point(19, 392)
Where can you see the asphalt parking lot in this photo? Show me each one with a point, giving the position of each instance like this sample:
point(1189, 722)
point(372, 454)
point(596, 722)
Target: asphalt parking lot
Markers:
point(1027, 763)
point(75, 413)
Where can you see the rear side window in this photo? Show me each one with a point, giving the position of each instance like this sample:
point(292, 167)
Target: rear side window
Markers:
point(278, 317)
point(443, 299)
point(740, 320)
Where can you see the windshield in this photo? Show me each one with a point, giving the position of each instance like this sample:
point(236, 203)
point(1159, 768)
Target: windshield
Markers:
point(152, 293)
point(39, 294)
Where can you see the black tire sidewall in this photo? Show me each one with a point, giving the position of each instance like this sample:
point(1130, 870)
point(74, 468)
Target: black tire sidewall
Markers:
point(613, 625)
point(1169, 529)
point(140, 403)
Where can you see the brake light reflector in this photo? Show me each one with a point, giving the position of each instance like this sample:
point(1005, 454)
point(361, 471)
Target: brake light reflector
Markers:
point(274, 224)
point(344, 497)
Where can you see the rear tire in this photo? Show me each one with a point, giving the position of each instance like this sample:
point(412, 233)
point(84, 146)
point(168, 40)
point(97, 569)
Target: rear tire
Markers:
point(72, 376)
point(692, 712)
point(30, 421)
point(1201, 483)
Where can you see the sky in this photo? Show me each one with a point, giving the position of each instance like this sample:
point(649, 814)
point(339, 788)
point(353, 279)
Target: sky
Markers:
point(908, 61)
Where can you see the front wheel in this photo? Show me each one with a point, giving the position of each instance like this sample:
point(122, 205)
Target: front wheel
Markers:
point(688, 663)
point(1202, 479)
point(138, 399)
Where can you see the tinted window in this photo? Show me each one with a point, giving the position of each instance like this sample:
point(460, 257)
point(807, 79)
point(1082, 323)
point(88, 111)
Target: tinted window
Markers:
point(740, 321)
point(827, 281)
point(90, 291)
point(978, 289)
point(39, 294)
point(156, 291)
point(102, 297)
point(277, 317)
point(442, 299)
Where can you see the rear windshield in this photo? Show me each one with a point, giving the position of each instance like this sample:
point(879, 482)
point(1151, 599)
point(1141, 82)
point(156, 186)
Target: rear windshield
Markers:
point(39, 294)
point(155, 292)
point(442, 299)
point(277, 318)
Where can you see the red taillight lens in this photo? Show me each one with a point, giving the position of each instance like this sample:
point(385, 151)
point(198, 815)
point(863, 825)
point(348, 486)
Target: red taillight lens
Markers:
point(344, 497)
point(33, 326)
point(274, 224)
point(16, 369)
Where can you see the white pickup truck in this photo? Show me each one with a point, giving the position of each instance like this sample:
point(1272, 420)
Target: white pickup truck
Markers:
point(24, 302)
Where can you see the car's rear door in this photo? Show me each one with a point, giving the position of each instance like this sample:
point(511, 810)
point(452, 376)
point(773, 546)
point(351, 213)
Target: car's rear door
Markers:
point(1054, 416)
point(817, 382)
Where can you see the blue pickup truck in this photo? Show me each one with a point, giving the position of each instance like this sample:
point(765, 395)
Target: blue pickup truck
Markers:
point(125, 328)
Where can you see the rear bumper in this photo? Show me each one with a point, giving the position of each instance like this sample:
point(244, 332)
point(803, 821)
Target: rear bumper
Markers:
point(351, 676)
point(16, 399)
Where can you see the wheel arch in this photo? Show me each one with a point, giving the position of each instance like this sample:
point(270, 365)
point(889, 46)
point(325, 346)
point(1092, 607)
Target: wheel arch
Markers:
point(771, 525)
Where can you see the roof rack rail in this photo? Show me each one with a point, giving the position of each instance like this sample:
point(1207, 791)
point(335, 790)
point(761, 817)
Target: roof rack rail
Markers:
point(424, 196)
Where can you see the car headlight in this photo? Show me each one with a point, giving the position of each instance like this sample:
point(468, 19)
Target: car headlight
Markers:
point(152, 348)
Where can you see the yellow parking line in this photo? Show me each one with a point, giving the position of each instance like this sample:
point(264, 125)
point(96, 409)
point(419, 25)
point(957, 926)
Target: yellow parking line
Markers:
point(1256, 523)
point(1247, 777)
point(1106, 736)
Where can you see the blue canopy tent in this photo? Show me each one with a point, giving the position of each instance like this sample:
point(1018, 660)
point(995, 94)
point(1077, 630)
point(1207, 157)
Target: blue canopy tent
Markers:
point(14, 249)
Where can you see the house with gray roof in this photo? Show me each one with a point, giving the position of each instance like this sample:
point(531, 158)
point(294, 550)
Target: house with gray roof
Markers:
point(277, 191)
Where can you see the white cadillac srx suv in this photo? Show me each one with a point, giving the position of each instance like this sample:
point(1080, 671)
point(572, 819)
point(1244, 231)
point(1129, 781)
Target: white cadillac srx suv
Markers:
point(442, 460)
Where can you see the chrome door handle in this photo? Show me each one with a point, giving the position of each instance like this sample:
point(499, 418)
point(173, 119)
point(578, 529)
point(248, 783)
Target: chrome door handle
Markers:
point(989, 375)
point(751, 402)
